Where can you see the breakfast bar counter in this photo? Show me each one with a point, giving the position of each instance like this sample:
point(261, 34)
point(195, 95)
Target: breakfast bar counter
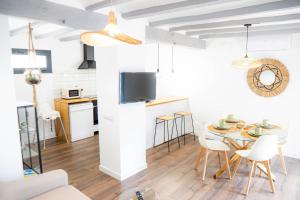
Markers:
point(160, 107)
point(165, 100)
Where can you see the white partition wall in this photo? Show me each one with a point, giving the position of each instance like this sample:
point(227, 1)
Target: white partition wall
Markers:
point(122, 135)
point(11, 167)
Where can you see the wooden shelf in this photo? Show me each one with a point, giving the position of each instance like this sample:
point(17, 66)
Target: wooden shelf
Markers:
point(165, 100)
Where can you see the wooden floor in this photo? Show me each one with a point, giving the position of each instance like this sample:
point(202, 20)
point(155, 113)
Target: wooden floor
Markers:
point(171, 175)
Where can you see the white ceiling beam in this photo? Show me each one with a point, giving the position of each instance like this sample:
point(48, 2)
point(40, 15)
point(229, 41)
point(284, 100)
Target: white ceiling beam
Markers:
point(266, 7)
point(54, 13)
point(23, 29)
point(243, 29)
point(155, 34)
point(165, 8)
point(251, 33)
point(105, 3)
point(257, 20)
point(54, 33)
point(70, 38)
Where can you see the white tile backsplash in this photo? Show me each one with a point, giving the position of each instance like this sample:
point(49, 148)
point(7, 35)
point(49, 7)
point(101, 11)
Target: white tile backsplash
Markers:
point(85, 79)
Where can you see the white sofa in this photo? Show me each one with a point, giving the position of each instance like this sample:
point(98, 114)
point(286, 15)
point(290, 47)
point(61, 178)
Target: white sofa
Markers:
point(48, 186)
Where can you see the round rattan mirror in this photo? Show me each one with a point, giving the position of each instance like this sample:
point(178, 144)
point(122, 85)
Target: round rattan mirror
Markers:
point(268, 80)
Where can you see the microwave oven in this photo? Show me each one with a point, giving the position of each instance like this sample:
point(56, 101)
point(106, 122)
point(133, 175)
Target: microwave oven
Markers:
point(71, 93)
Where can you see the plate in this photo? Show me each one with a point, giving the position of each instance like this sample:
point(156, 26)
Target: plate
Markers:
point(232, 120)
point(269, 126)
point(252, 133)
point(221, 128)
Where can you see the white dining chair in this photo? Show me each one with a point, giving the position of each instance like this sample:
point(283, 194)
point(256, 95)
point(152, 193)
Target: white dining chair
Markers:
point(262, 151)
point(47, 114)
point(282, 140)
point(209, 145)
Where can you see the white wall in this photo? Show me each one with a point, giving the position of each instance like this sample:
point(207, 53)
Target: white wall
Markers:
point(66, 57)
point(216, 88)
point(122, 129)
point(10, 149)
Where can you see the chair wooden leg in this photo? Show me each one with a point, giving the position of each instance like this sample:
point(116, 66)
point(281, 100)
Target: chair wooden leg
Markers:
point(281, 157)
point(250, 177)
point(219, 159)
point(227, 164)
point(254, 171)
point(267, 165)
point(197, 162)
point(236, 166)
point(205, 164)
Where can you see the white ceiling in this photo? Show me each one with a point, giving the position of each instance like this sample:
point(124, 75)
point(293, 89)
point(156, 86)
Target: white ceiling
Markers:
point(131, 5)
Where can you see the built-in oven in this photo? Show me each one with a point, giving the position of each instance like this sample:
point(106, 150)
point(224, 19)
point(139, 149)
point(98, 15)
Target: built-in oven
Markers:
point(95, 115)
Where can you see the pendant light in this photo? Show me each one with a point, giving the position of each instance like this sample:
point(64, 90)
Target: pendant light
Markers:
point(246, 61)
point(172, 51)
point(157, 70)
point(111, 34)
point(32, 74)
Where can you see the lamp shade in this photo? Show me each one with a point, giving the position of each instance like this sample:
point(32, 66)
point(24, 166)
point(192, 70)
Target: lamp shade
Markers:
point(110, 35)
point(246, 62)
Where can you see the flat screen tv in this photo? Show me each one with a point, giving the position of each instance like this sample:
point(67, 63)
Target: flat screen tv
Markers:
point(137, 86)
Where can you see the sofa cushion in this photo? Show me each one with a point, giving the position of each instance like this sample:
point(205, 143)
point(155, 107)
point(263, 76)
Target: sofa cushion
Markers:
point(62, 193)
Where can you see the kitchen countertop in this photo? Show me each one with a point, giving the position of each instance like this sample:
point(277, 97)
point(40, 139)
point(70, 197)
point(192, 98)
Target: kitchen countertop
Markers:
point(165, 100)
point(77, 100)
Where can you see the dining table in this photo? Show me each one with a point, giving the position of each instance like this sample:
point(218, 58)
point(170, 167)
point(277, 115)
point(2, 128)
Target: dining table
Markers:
point(238, 136)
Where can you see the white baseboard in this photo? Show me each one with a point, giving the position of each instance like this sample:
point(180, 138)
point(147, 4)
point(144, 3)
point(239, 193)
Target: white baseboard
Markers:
point(95, 128)
point(134, 171)
point(293, 155)
point(110, 172)
point(119, 176)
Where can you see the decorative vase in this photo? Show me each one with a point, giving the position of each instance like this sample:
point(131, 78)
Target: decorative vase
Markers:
point(33, 76)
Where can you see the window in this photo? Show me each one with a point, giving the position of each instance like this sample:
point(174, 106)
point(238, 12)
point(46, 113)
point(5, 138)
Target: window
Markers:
point(19, 59)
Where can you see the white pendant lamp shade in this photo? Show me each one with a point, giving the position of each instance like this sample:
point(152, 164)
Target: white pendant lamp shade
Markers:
point(246, 61)
point(110, 35)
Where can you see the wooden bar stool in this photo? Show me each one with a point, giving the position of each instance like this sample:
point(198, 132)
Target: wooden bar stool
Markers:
point(183, 115)
point(165, 120)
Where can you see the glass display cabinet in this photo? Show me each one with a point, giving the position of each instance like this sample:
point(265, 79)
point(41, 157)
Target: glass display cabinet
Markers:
point(29, 136)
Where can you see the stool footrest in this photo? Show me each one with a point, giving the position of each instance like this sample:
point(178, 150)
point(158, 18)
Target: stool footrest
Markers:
point(188, 133)
point(165, 142)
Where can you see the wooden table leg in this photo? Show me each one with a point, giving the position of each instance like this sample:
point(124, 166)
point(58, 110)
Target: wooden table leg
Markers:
point(236, 166)
point(219, 159)
point(233, 158)
point(263, 169)
point(227, 164)
point(223, 168)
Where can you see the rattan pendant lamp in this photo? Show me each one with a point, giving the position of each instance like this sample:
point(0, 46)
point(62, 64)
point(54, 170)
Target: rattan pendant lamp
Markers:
point(111, 34)
point(246, 61)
